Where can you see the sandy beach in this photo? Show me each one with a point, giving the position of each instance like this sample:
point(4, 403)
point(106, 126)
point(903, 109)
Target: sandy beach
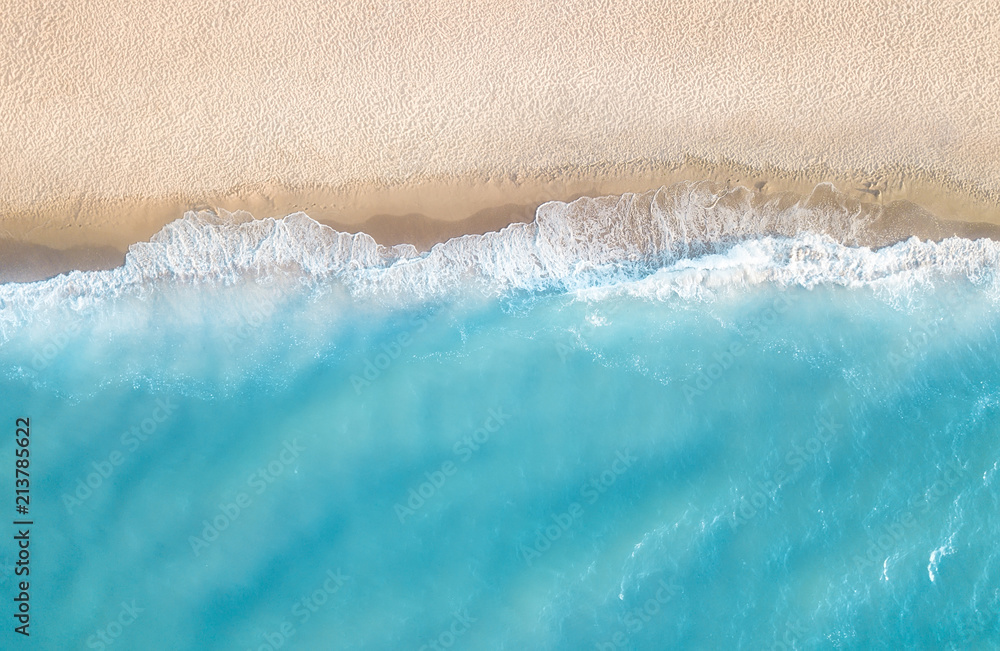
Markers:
point(419, 122)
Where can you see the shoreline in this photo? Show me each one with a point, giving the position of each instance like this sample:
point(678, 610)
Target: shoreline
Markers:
point(89, 234)
point(419, 122)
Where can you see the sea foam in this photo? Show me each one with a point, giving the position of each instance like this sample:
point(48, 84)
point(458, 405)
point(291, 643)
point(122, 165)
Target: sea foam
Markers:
point(682, 240)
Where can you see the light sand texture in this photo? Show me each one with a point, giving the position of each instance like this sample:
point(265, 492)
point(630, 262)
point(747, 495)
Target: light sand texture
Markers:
point(105, 105)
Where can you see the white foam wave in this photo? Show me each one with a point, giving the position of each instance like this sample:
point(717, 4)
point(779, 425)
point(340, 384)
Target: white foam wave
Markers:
point(811, 259)
point(678, 240)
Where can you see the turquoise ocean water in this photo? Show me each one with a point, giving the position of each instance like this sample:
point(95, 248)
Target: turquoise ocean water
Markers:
point(630, 425)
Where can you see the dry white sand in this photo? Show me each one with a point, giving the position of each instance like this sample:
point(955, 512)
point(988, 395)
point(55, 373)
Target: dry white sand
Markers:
point(115, 116)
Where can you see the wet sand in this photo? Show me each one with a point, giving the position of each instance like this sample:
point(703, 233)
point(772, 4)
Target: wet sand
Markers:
point(419, 122)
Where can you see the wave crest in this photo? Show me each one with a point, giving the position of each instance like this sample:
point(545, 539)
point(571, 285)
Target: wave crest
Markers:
point(569, 246)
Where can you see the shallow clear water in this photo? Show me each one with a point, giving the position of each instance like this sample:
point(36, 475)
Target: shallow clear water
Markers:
point(284, 461)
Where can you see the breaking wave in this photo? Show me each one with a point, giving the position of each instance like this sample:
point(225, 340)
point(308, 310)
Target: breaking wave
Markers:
point(682, 239)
